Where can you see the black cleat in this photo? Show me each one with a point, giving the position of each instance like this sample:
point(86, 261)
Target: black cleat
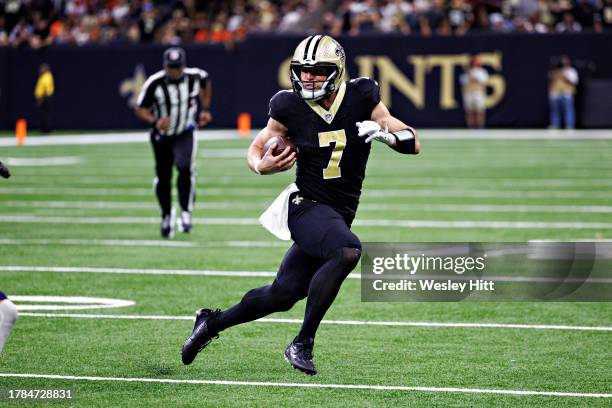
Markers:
point(299, 355)
point(167, 226)
point(200, 337)
point(185, 224)
point(4, 171)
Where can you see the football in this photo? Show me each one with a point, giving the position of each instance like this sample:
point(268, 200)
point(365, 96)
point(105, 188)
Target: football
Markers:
point(281, 144)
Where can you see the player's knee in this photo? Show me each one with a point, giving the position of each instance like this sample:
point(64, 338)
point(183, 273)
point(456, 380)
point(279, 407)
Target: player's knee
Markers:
point(184, 169)
point(164, 174)
point(285, 303)
point(286, 297)
point(350, 257)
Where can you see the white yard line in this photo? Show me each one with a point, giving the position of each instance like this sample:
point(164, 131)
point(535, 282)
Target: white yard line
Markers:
point(135, 271)
point(99, 242)
point(269, 274)
point(147, 243)
point(220, 205)
point(313, 385)
point(110, 138)
point(88, 175)
point(94, 205)
point(340, 322)
point(488, 208)
point(359, 223)
point(482, 224)
point(67, 303)
point(367, 193)
point(43, 161)
point(231, 134)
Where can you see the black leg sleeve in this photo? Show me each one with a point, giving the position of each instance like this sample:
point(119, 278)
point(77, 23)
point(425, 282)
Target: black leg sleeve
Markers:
point(184, 149)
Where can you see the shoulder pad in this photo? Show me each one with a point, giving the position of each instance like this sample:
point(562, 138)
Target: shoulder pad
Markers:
point(364, 84)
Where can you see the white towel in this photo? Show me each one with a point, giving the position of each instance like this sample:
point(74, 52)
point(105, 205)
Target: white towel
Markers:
point(274, 219)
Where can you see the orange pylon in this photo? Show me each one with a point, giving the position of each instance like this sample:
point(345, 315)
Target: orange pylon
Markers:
point(21, 131)
point(244, 124)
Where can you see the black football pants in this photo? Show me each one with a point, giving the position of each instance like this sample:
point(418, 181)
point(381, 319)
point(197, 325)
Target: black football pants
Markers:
point(168, 151)
point(324, 253)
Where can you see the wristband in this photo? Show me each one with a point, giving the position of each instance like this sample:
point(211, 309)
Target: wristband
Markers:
point(405, 134)
point(406, 141)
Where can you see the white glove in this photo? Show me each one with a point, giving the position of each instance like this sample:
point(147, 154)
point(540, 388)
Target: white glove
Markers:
point(373, 131)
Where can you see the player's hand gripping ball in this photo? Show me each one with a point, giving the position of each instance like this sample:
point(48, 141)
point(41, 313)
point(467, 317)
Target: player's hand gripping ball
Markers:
point(281, 145)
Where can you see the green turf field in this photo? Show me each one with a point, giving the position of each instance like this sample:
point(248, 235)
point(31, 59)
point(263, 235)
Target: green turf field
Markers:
point(98, 214)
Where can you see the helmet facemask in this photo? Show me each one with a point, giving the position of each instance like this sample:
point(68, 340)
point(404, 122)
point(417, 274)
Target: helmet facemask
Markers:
point(330, 71)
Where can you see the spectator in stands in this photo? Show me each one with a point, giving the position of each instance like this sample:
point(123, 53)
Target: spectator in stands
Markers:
point(460, 17)
point(44, 90)
point(568, 24)
point(364, 17)
point(393, 17)
point(20, 33)
point(292, 15)
point(605, 16)
point(41, 32)
point(43, 22)
point(4, 35)
point(148, 22)
point(474, 93)
point(435, 20)
point(585, 14)
point(563, 79)
point(481, 18)
point(499, 24)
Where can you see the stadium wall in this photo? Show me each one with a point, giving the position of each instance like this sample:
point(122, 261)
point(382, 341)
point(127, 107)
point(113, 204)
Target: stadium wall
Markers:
point(96, 86)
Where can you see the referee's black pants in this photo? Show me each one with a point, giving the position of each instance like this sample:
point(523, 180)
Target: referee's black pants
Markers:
point(168, 151)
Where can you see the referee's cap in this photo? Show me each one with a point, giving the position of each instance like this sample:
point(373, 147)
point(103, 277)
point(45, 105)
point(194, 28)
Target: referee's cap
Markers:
point(174, 57)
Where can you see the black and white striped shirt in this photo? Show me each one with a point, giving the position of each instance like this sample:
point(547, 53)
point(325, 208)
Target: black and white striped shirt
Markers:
point(174, 99)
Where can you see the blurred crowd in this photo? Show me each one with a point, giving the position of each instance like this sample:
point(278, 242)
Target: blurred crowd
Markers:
point(39, 23)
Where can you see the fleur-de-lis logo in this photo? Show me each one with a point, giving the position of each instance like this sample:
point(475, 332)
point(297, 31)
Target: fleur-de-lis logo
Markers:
point(297, 200)
point(340, 52)
point(131, 87)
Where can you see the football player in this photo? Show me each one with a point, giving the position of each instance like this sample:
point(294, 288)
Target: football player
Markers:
point(332, 122)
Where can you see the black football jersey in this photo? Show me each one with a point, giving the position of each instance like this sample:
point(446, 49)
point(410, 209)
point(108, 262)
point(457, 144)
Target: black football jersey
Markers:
point(332, 158)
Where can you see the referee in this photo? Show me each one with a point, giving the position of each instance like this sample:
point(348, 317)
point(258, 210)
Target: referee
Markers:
point(168, 102)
